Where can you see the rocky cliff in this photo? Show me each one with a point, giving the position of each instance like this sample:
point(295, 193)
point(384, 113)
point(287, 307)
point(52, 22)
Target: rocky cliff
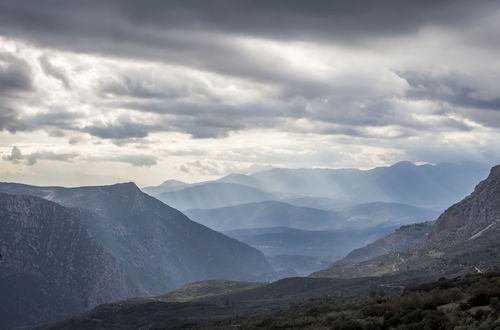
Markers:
point(51, 266)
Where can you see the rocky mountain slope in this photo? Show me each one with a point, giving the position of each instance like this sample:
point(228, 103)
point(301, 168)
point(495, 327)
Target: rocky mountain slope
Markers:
point(463, 239)
point(159, 246)
point(51, 266)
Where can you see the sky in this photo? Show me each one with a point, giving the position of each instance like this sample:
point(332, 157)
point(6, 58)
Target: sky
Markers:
point(97, 92)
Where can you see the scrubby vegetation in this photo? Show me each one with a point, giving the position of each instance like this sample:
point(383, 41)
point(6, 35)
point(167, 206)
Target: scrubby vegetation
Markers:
point(470, 302)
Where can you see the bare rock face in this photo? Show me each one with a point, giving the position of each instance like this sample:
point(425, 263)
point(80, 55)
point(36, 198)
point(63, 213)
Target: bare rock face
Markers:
point(51, 266)
point(477, 211)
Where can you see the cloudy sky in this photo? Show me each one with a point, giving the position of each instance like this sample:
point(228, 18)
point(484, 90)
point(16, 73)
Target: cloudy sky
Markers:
point(95, 92)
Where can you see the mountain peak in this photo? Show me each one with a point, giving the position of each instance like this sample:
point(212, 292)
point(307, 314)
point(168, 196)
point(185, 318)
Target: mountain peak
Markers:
point(495, 172)
point(403, 164)
point(124, 186)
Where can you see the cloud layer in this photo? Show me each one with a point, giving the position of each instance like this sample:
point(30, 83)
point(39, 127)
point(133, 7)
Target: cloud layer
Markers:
point(247, 84)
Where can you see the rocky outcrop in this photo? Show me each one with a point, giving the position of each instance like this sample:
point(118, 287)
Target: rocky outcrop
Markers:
point(51, 266)
point(477, 211)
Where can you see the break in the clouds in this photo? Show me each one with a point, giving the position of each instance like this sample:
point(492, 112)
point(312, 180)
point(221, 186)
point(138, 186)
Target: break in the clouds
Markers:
point(186, 89)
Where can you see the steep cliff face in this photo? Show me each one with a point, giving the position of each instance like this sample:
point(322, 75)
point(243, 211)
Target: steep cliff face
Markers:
point(50, 265)
point(477, 211)
point(160, 247)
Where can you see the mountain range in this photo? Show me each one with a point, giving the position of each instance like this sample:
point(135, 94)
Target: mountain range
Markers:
point(463, 240)
point(107, 243)
point(279, 214)
point(151, 248)
point(428, 186)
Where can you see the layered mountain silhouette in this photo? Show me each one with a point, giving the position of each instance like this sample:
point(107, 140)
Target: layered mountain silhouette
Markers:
point(152, 246)
point(463, 239)
point(289, 241)
point(265, 214)
point(428, 186)
point(279, 214)
point(169, 185)
point(213, 195)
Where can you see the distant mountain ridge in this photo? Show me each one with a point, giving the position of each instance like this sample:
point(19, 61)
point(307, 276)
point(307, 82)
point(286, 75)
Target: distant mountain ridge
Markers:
point(279, 214)
point(265, 214)
point(288, 241)
point(428, 186)
point(214, 194)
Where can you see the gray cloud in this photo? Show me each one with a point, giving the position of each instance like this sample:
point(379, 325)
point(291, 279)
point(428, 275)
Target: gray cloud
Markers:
point(193, 34)
point(223, 39)
point(134, 160)
point(453, 88)
point(122, 130)
point(15, 74)
point(54, 71)
point(271, 18)
point(16, 156)
point(13, 120)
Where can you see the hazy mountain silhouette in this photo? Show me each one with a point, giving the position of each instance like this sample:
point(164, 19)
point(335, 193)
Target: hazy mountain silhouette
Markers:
point(463, 239)
point(161, 248)
point(283, 240)
point(428, 186)
point(169, 185)
point(214, 194)
point(265, 214)
point(278, 214)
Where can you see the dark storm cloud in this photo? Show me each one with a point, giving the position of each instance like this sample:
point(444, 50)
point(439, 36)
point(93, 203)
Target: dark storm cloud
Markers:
point(266, 18)
point(192, 32)
point(198, 34)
